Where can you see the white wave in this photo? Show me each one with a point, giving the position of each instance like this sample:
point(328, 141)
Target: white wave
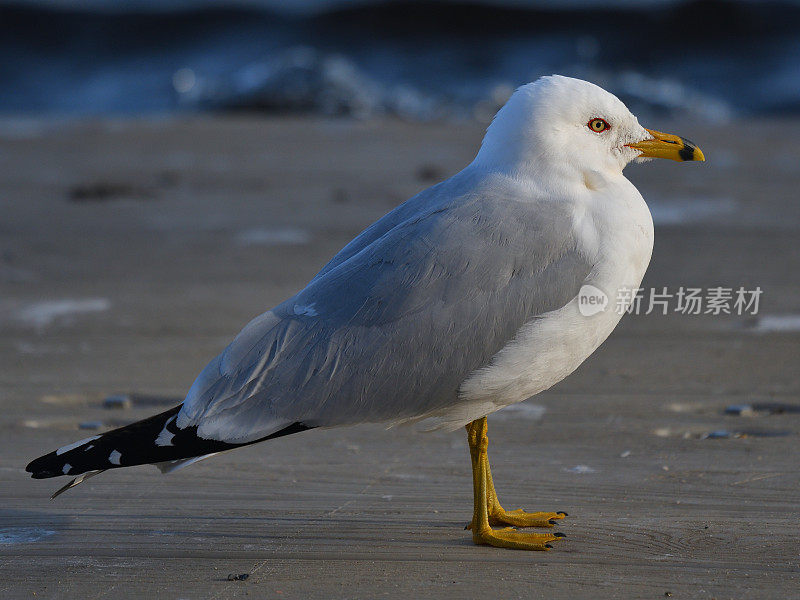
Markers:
point(23, 535)
point(44, 314)
point(778, 323)
point(691, 210)
point(522, 410)
point(273, 237)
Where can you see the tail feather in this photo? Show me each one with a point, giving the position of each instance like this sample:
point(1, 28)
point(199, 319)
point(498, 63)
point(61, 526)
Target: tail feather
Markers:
point(171, 466)
point(78, 480)
point(150, 441)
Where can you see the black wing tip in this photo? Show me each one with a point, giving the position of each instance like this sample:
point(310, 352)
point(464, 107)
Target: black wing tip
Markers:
point(76, 461)
point(42, 468)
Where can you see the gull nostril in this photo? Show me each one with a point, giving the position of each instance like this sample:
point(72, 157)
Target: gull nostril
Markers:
point(686, 153)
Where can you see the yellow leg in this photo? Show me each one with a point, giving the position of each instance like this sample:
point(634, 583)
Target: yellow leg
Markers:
point(486, 503)
point(518, 518)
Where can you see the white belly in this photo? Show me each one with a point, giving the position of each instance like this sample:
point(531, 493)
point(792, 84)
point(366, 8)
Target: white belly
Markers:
point(550, 347)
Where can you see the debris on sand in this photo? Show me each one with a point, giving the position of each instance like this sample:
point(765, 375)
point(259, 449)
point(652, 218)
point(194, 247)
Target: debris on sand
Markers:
point(238, 576)
point(744, 433)
point(126, 401)
point(769, 408)
point(740, 410)
point(118, 402)
point(103, 191)
point(580, 469)
point(718, 434)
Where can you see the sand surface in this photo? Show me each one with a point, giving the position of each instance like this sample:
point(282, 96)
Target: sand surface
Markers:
point(131, 252)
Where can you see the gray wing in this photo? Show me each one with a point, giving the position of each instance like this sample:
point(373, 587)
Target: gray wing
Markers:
point(390, 329)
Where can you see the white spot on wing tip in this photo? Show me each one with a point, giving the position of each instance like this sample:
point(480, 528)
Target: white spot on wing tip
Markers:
point(165, 437)
point(66, 468)
point(74, 445)
point(114, 457)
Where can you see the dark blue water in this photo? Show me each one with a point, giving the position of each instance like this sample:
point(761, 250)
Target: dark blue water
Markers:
point(419, 60)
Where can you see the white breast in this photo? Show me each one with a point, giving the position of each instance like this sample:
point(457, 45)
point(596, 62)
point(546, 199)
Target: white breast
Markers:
point(615, 227)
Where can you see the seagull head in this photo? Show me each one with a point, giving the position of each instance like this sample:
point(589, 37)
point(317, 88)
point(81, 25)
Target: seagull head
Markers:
point(562, 125)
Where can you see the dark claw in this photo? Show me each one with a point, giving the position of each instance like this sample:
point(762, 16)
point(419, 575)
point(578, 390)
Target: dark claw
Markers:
point(561, 512)
point(547, 546)
point(559, 534)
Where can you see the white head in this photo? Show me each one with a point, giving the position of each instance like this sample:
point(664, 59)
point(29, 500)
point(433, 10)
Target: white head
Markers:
point(568, 125)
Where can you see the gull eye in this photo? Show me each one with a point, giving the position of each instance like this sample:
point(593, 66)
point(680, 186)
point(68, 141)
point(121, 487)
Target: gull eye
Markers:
point(598, 125)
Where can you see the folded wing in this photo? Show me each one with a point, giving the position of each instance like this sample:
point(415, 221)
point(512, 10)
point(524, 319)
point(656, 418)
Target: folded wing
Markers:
point(391, 327)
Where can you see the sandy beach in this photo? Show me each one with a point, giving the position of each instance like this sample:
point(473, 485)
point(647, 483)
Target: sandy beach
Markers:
point(132, 251)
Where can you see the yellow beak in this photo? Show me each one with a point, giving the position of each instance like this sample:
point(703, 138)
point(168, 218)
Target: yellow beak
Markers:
point(666, 145)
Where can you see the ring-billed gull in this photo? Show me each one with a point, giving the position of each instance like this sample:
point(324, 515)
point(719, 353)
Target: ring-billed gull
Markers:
point(460, 301)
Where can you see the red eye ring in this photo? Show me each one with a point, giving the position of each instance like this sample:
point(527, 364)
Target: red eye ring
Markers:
point(598, 125)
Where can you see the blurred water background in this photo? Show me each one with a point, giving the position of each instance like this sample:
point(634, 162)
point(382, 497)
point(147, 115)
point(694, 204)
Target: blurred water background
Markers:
point(417, 60)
